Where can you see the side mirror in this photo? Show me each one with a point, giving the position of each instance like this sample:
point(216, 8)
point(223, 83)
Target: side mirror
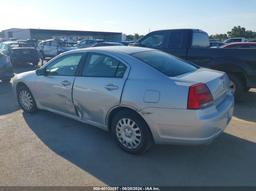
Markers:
point(41, 72)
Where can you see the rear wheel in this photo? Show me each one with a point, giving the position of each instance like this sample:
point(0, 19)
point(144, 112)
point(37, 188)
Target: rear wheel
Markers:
point(26, 100)
point(237, 86)
point(131, 132)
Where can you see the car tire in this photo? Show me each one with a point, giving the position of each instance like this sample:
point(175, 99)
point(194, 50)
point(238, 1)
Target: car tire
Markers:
point(238, 87)
point(131, 132)
point(26, 99)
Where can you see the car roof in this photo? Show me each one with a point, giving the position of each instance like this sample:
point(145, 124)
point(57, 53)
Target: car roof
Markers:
point(114, 49)
point(185, 29)
point(109, 42)
point(236, 38)
point(10, 42)
point(24, 48)
point(240, 43)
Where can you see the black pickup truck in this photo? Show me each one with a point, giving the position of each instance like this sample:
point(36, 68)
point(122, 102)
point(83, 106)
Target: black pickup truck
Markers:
point(193, 45)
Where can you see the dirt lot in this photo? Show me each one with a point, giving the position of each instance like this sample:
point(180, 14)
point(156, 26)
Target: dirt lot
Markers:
point(48, 149)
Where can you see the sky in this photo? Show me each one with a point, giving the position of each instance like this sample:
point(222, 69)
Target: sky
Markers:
point(128, 16)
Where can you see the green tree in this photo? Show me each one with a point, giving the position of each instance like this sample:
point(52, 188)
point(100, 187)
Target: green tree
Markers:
point(130, 37)
point(237, 31)
point(134, 37)
point(220, 37)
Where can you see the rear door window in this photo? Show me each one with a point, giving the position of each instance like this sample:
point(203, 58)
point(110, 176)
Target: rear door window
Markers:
point(99, 65)
point(165, 63)
point(177, 39)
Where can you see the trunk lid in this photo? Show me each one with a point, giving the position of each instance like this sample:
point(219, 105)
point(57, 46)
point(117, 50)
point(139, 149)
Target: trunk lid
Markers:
point(217, 82)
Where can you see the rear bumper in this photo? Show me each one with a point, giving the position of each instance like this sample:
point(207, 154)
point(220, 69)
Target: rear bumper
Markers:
point(179, 126)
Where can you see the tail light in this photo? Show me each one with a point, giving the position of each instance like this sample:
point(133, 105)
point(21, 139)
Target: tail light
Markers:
point(199, 96)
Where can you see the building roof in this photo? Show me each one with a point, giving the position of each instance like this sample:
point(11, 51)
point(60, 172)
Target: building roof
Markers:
point(72, 31)
point(60, 31)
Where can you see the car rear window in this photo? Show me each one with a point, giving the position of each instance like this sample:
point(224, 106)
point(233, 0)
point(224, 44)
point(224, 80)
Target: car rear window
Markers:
point(24, 51)
point(165, 63)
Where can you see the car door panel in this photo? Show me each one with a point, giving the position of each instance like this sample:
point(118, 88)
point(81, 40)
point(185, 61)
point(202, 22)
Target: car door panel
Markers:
point(54, 89)
point(95, 95)
point(55, 92)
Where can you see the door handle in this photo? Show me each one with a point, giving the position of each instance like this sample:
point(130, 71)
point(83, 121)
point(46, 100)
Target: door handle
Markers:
point(66, 83)
point(111, 87)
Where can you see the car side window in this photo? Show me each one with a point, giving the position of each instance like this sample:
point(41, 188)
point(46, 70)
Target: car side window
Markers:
point(177, 40)
point(99, 65)
point(48, 43)
point(54, 43)
point(200, 40)
point(64, 66)
point(154, 40)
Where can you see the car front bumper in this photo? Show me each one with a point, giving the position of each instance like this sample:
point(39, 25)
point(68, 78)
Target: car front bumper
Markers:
point(180, 126)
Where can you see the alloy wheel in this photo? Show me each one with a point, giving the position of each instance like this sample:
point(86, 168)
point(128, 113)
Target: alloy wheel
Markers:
point(26, 100)
point(128, 133)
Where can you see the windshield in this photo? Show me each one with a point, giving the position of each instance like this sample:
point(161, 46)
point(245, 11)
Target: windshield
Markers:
point(165, 63)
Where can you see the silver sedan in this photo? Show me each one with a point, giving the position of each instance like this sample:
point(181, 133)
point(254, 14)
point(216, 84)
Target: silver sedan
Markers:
point(142, 96)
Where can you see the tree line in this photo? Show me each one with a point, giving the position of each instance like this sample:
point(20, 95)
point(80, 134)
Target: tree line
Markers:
point(133, 37)
point(236, 31)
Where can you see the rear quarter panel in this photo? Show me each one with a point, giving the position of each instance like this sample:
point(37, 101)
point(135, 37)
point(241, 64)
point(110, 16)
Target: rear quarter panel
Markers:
point(147, 87)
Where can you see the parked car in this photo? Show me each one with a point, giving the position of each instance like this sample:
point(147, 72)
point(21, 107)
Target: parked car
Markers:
point(193, 46)
point(142, 96)
point(237, 39)
point(216, 43)
point(27, 43)
point(6, 70)
point(88, 43)
point(240, 45)
point(98, 44)
point(127, 42)
point(53, 47)
point(19, 55)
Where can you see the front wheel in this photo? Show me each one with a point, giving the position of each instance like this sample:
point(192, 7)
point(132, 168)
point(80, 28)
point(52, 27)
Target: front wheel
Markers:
point(131, 132)
point(26, 100)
